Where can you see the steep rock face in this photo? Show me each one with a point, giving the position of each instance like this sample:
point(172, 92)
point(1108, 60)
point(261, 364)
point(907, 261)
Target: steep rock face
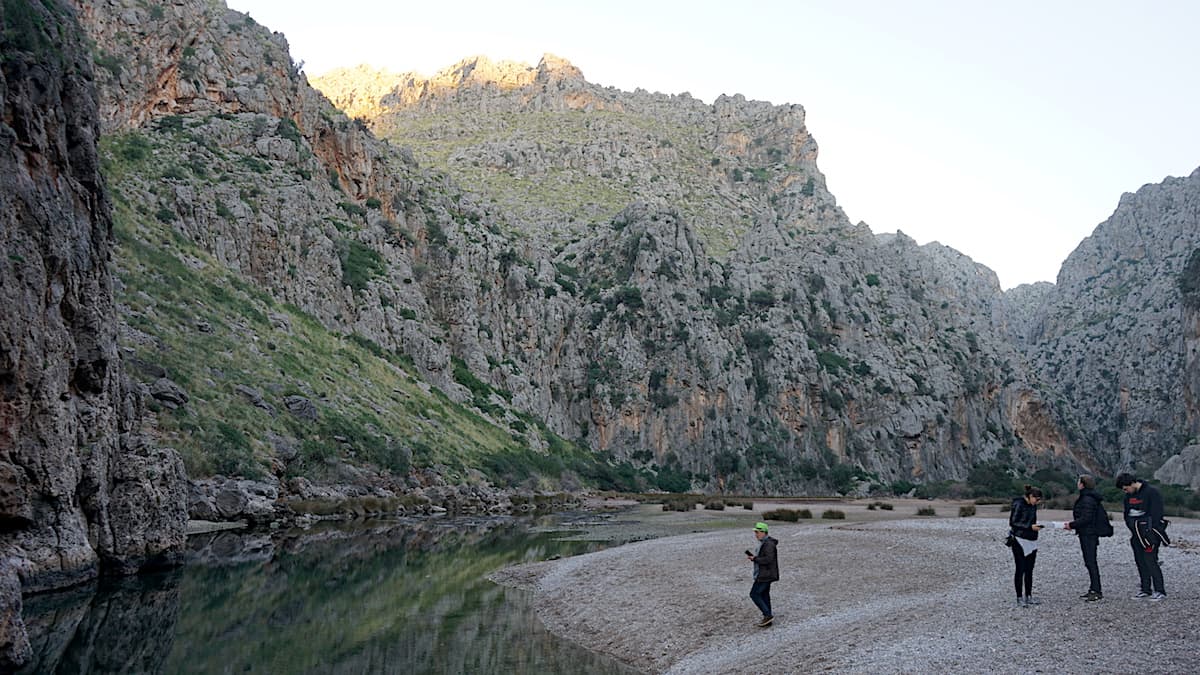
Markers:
point(668, 281)
point(79, 490)
point(1182, 468)
point(867, 351)
point(562, 155)
point(1115, 340)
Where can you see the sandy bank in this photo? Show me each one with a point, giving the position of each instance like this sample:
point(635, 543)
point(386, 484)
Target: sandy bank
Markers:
point(900, 595)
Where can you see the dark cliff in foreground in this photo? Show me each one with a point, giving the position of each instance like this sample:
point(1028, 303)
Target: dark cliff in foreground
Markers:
point(80, 493)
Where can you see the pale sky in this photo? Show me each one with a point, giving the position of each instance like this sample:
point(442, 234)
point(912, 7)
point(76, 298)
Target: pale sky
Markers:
point(1007, 130)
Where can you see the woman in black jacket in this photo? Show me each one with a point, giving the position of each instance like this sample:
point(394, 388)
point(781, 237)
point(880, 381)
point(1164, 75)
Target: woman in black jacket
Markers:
point(1086, 514)
point(1024, 529)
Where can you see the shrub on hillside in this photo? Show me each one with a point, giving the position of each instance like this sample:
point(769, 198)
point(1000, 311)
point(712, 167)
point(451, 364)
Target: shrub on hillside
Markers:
point(788, 515)
point(680, 503)
point(926, 511)
point(714, 505)
point(833, 514)
point(966, 511)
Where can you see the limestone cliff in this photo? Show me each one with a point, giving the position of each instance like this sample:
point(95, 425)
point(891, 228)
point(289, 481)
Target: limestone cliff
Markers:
point(1115, 338)
point(663, 280)
point(866, 351)
point(80, 492)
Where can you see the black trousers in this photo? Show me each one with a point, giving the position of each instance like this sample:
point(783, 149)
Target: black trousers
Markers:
point(1023, 576)
point(1088, 544)
point(1147, 564)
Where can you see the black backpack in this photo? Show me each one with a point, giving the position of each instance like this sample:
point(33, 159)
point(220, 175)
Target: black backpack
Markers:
point(1104, 526)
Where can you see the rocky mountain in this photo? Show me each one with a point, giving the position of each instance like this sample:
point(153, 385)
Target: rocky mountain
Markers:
point(1116, 335)
point(757, 249)
point(503, 275)
point(81, 491)
point(664, 281)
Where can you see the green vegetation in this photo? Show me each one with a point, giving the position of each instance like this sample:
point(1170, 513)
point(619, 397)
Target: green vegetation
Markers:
point(1189, 281)
point(785, 515)
point(360, 263)
point(370, 407)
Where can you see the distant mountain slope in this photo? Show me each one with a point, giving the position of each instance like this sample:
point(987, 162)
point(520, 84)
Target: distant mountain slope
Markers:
point(663, 281)
point(1116, 336)
point(563, 156)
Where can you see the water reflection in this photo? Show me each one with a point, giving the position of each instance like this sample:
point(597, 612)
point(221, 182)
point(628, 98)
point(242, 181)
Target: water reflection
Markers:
point(381, 597)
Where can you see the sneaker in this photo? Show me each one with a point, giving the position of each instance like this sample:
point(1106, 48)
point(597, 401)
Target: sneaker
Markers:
point(1030, 600)
point(1021, 602)
point(1158, 596)
point(1142, 595)
point(766, 621)
point(1084, 596)
point(1093, 596)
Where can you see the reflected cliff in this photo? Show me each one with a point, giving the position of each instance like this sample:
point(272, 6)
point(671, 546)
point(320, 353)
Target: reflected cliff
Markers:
point(390, 597)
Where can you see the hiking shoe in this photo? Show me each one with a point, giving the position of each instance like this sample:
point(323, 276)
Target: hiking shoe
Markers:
point(766, 621)
point(1093, 596)
point(1142, 595)
point(1021, 602)
point(1030, 600)
point(1158, 596)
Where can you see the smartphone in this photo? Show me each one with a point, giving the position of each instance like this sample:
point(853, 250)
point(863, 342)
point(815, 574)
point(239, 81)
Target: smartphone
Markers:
point(749, 553)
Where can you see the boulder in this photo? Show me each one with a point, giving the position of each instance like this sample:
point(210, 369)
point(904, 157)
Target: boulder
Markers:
point(168, 393)
point(301, 407)
point(1182, 469)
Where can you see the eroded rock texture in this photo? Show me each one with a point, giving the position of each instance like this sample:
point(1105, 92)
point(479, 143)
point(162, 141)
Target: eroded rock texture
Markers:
point(79, 492)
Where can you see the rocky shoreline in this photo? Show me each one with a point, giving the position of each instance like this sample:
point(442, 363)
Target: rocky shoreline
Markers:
point(222, 502)
point(871, 594)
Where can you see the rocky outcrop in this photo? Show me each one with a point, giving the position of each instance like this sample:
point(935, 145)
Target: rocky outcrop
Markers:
point(666, 281)
point(14, 641)
point(80, 492)
point(670, 281)
point(1182, 468)
point(1115, 339)
point(760, 329)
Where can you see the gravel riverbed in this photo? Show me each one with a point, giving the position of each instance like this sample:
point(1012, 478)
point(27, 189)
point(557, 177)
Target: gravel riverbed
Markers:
point(899, 595)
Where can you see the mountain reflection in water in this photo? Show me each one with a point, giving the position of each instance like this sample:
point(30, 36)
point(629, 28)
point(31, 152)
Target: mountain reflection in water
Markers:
point(377, 597)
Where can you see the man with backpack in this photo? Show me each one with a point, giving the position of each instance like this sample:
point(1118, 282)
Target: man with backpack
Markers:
point(1144, 518)
point(1090, 523)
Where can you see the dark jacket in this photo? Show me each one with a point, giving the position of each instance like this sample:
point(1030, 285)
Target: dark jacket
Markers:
point(1022, 518)
point(766, 563)
point(1144, 514)
point(1087, 512)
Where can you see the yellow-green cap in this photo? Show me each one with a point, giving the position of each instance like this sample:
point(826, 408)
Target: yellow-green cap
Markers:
point(760, 527)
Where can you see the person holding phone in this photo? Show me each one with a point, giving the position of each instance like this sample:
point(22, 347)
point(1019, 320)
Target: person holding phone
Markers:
point(1022, 522)
point(766, 571)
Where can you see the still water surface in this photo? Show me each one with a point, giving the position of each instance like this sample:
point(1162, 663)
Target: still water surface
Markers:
point(380, 597)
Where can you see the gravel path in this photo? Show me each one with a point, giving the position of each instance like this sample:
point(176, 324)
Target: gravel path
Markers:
point(894, 596)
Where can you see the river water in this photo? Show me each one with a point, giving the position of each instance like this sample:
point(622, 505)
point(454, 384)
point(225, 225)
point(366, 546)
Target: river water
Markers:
point(373, 597)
